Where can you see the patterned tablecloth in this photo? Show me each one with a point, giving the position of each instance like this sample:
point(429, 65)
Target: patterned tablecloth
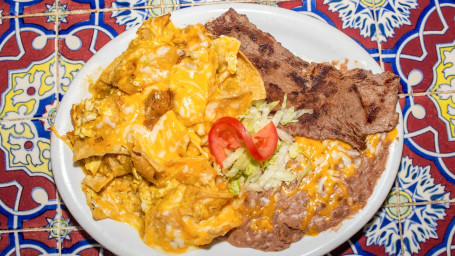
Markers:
point(44, 43)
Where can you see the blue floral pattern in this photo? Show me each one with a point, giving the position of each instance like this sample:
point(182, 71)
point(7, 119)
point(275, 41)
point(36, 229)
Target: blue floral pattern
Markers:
point(362, 14)
point(134, 17)
point(419, 221)
point(405, 35)
point(129, 18)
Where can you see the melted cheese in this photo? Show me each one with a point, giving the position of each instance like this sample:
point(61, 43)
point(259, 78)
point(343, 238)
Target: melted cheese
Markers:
point(392, 135)
point(182, 203)
point(167, 140)
point(261, 216)
point(63, 138)
point(123, 207)
point(190, 82)
point(331, 163)
point(323, 184)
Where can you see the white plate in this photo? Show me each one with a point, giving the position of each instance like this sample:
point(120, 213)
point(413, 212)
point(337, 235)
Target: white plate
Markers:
point(303, 35)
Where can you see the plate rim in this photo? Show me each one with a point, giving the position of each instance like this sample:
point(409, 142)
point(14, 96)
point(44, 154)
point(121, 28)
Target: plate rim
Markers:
point(67, 196)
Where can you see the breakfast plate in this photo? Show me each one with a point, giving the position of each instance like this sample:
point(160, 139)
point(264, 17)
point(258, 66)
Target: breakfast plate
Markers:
point(305, 37)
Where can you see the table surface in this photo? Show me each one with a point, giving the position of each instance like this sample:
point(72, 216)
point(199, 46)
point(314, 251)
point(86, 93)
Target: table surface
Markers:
point(44, 43)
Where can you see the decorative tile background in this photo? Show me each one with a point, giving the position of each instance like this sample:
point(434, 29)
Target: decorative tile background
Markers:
point(44, 43)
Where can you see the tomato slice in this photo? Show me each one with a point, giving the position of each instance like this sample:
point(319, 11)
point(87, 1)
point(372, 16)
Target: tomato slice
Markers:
point(266, 141)
point(229, 133)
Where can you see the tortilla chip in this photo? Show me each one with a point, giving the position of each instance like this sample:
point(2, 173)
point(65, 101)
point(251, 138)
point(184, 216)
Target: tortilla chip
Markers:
point(250, 78)
point(83, 148)
point(228, 106)
point(143, 166)
point(189, 170)
point(238, 82)
point(96, 182)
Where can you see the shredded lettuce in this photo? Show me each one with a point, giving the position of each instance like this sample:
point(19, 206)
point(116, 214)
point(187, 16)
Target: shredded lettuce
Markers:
point(240, 164)
point(284, 136)
point(245, 173)
point(294, 150)
point(253, 167)
point(234, 186)
point(289, 115)
point(232, 157)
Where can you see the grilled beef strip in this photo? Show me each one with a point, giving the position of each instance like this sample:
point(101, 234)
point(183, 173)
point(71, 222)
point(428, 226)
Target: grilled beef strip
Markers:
point(346, 105)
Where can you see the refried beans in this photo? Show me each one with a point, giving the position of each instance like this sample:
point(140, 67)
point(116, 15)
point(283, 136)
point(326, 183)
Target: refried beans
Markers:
point(277, 218)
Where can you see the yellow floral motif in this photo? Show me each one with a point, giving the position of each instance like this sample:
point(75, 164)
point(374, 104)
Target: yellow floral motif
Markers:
point(25, 149)
point(445, 81)
point(10, 106)
point(68, 72)
point(32, 92)
point(27, 87)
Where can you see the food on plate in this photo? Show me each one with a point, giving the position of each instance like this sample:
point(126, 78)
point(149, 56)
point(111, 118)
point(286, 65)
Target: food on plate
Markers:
point(346, 105)
point(187, 138)
point(142, 136)
point(353, 106)
point(229, 133)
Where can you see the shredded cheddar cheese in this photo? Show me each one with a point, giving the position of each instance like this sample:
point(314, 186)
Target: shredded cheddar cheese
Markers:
point(323, 184)
point(261, 216)
point(141, 138)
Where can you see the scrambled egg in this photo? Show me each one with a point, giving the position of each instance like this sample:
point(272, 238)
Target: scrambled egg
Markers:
point(142, 137)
